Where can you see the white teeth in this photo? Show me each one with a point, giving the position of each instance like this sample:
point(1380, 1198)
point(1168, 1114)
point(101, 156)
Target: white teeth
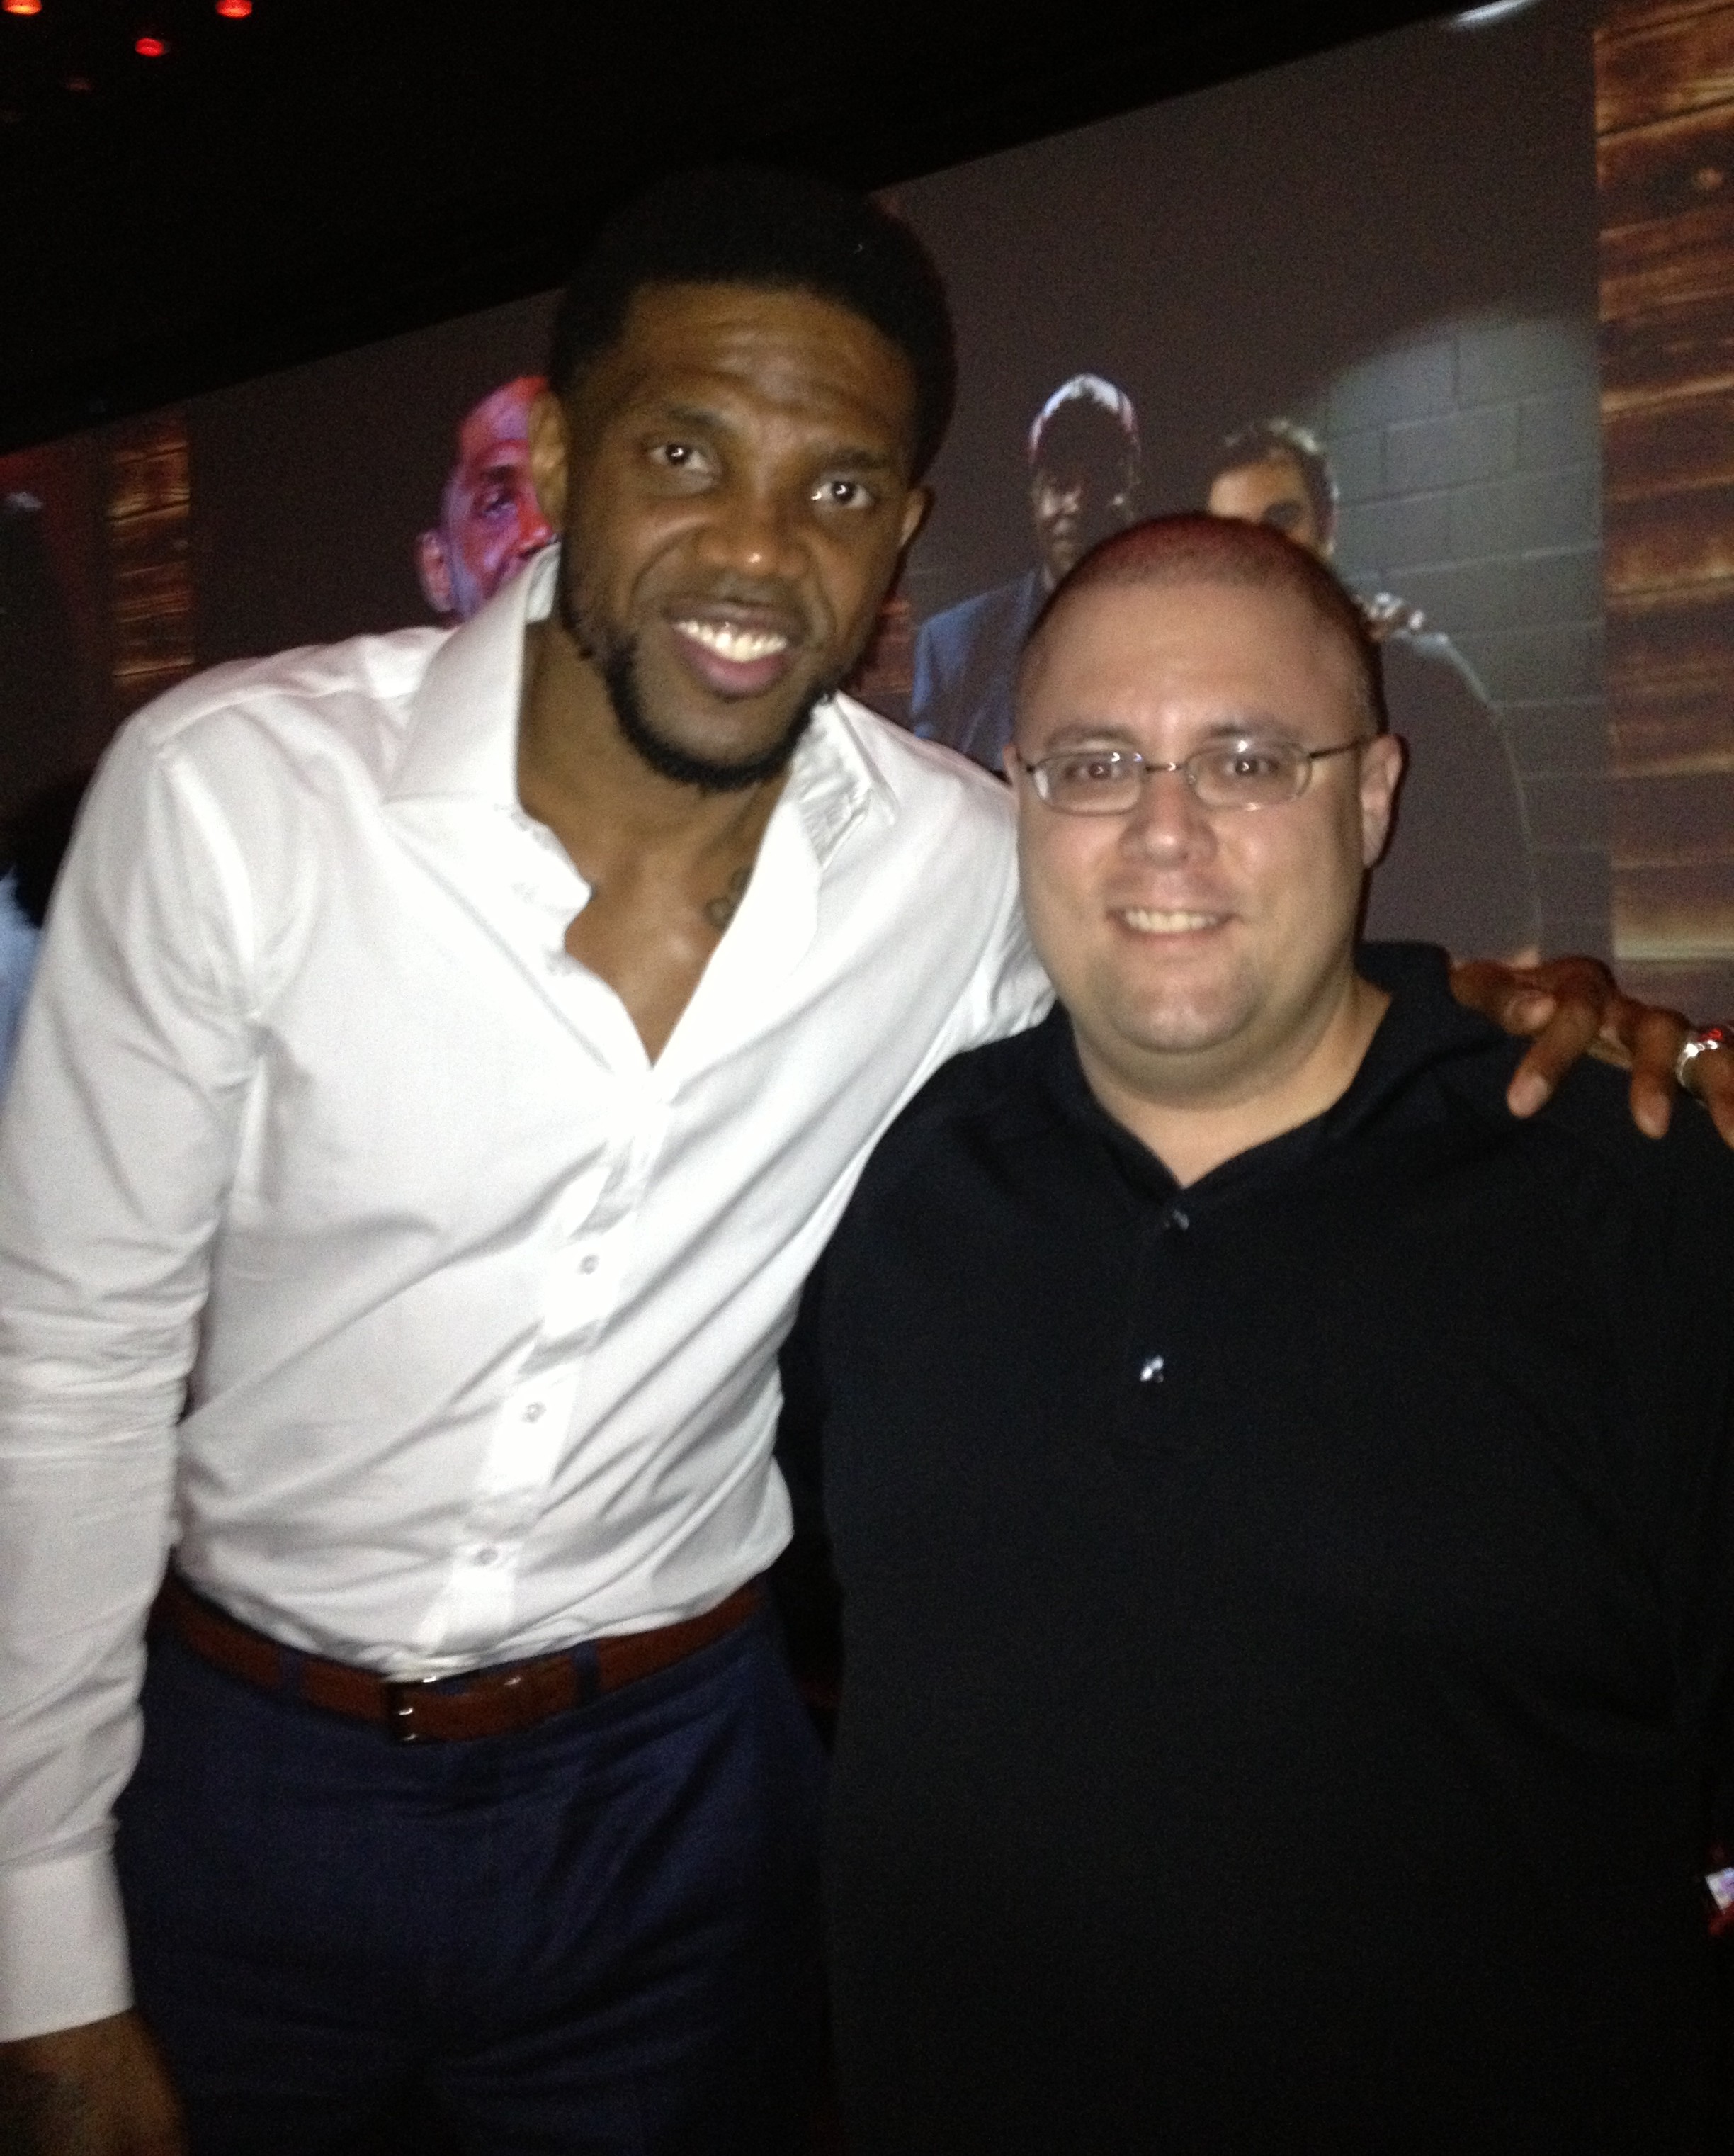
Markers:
point(1150, 922)
point(739, 646)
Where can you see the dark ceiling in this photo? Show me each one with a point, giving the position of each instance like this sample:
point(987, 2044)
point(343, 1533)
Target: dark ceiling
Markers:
point(329, 171)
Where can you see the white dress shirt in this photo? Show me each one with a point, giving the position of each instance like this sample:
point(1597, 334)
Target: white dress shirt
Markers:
point(350, 1242)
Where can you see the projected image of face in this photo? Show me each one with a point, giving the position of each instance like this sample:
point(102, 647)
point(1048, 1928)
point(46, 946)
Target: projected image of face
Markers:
point(1276, 472)
point(1083, 471)
point(1268, 493)
point(490, 522)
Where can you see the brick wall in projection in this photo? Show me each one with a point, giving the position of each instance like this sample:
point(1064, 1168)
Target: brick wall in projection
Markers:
point(1470, 463)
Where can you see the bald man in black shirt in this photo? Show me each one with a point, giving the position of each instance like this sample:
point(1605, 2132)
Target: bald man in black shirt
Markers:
point(1283, 1504)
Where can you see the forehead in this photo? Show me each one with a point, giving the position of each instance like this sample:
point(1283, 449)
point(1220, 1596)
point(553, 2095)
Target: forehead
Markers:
point(1273, 479)
point(501, 420)
point(1155, 658)
point(745, 347)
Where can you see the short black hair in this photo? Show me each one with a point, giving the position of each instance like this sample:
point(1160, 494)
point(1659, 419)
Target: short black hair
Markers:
point(1261, 440)
point(745, 224)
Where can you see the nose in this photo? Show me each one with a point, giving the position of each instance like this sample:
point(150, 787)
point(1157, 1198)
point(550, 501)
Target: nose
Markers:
point(752, 529)
point(1170, 822)
point(534, 529)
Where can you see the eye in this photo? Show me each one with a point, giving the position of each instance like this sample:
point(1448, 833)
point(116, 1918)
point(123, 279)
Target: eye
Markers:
point(1095, 767)
point(844, 493)
point(1254, 761)
point(677, 456)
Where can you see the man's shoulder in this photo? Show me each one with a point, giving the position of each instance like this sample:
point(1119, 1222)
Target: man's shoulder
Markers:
point(1003, 605)
point(1590, 1168)
point(358, 692)
point(1590, 1117)
point(929, 781)
point(986, 1098)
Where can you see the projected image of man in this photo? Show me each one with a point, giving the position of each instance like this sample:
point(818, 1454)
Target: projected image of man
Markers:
point(1084, 468)
point(1460, 869)
point(490, 522)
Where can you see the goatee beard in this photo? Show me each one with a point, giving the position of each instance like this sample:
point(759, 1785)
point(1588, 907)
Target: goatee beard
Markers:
point(616, 662)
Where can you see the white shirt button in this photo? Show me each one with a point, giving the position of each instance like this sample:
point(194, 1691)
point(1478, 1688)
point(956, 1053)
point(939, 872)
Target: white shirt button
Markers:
point(589, 1265)
point(533, 1413)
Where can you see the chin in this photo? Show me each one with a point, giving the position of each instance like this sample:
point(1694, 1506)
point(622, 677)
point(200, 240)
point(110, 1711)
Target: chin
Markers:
point(1182, 1024)
point(715, 758)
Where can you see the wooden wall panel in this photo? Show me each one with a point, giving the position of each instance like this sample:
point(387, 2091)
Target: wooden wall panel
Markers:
point(1664, 80)
point(1658, 63)
point(149, 509)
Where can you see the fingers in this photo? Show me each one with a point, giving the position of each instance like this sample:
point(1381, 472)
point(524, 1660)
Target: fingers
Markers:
point(1573, 1007)
point(1654, 1038)
point(1564, 1004)
point(1568, 1035)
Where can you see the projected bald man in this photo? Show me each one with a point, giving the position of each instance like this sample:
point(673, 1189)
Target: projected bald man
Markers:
point(490, 522)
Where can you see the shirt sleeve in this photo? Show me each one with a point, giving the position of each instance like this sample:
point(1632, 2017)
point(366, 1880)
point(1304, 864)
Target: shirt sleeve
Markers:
point(117, 1143)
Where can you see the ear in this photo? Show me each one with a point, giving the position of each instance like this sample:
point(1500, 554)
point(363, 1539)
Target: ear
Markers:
point(434, 567)
point(1381, 763)
point(549, 443)
point(915, 512)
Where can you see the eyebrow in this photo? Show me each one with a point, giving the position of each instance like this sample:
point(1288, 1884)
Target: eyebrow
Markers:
point(837, 455)
point(1251, 726)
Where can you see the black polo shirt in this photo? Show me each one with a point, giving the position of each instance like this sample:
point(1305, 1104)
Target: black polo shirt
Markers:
point(1287, 1621)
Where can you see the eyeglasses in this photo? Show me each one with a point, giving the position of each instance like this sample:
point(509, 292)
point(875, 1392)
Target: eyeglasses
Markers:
point(1229, 774)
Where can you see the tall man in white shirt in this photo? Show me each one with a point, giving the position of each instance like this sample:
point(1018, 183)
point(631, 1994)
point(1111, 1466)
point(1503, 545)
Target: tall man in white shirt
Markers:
point(450, 1053)
point(394, 1097)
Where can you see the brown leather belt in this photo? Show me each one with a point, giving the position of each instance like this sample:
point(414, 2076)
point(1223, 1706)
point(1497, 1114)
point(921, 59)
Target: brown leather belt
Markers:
point(476, 1703)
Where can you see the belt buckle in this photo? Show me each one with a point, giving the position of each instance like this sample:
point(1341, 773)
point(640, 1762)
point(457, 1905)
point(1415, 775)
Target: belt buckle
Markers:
point(400, 1707)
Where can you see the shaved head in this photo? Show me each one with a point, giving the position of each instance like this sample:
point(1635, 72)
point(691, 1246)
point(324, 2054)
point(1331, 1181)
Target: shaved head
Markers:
point(1167, 551)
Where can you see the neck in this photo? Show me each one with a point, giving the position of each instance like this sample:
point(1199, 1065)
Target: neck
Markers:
point(1193, 1119)
point(578, 774)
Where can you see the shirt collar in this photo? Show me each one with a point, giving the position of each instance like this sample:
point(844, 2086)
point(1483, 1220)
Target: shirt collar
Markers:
point(462, 733)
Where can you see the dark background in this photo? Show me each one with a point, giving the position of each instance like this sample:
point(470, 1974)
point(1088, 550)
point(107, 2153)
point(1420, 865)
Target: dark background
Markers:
point(327, 173)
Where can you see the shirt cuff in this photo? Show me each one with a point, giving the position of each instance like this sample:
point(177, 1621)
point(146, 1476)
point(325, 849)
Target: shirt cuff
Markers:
point(63, 1945)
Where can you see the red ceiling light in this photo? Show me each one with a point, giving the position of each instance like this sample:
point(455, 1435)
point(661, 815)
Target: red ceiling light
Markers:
point(235, 11)
point(149, 48)
point(23, 6)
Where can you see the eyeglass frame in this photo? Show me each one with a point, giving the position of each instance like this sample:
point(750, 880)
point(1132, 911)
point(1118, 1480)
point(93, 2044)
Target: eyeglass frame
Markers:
point(1145, 768)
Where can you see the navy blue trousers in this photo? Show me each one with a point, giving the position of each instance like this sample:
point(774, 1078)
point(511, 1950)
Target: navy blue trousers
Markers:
point(599, 1935)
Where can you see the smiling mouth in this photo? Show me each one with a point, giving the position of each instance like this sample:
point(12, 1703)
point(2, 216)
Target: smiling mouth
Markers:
point(1152, 921)
point(740, 647)
point(733, 659)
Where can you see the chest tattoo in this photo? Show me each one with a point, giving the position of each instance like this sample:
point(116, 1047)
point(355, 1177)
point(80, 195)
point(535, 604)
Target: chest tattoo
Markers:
point(719, 912)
